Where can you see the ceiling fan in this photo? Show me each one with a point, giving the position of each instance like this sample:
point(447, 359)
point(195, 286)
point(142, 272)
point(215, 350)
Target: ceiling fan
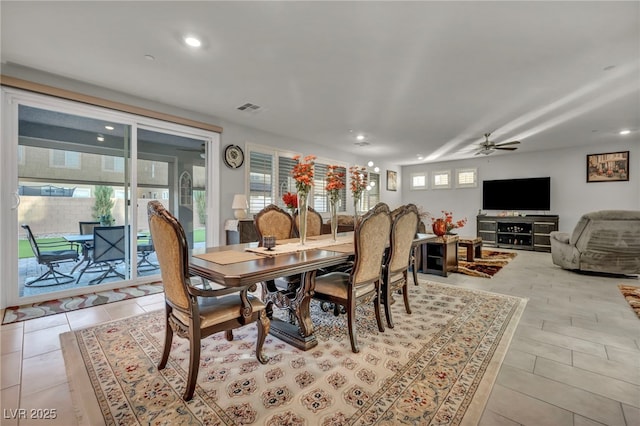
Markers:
point(487, 147)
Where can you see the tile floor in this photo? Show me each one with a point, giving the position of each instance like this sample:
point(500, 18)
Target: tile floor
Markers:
point(574, 360)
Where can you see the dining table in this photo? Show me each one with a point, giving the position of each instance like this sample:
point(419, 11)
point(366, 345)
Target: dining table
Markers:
point(245, 265)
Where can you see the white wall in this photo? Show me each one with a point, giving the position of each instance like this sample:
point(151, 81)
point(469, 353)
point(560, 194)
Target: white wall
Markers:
point(571, 195)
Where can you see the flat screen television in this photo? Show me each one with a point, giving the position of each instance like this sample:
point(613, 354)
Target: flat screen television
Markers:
point(517, 194)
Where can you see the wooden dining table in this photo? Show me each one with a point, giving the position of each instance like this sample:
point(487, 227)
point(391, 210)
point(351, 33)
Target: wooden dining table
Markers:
point(245, 265)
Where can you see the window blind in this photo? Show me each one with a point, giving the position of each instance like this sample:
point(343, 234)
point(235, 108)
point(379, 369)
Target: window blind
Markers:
point(260, 175)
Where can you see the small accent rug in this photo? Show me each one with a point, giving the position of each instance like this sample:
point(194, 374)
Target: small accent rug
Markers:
point(490, 264)
point(51, 307)
point(632, 295)
point(436, 367)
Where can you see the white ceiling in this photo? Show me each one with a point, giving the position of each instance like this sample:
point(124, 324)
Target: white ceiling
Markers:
point(426, 78)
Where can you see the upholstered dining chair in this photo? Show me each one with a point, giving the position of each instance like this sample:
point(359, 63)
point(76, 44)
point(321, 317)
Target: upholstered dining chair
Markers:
point(362, 284)
point(399, 257)
point(314, 222)
point(275, 222)
point(51, 254)
point(195, 313)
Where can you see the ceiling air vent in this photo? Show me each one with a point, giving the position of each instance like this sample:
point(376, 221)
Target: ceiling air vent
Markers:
point(362, 143)
point(249, 107)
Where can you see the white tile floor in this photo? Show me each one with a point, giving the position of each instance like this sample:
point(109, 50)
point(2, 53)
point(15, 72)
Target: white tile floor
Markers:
point(575, 358)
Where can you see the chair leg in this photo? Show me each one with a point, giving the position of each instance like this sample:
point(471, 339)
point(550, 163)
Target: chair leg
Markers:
point(351, 325)
point(386, 299)
point(405, 296)
point(194, 363)
point(376, 308)
point(263, 325)
point(51, 273)
point(168, 340)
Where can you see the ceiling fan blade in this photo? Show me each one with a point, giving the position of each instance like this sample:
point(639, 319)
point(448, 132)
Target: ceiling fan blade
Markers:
point(509, 148)
point(508, 143)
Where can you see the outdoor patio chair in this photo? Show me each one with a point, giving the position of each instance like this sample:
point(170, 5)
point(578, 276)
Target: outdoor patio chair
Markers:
point(146, 249)
point(51, 254)
point(108, 252)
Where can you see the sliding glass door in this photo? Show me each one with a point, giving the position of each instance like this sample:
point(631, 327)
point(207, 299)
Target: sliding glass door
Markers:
point(79, 193)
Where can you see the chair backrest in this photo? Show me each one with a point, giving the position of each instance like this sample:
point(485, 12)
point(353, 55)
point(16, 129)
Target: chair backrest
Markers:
point(32, 241)
point(608, 231)
point(108, 243)
point(314, 222)
point(403, 230)
point(172, 251)
point(371, 237)
point(273, 221)
point(86, 228)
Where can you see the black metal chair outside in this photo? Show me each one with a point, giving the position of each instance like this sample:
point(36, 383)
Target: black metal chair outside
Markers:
point(146, 249)
point(51, 254)
point(109, 249)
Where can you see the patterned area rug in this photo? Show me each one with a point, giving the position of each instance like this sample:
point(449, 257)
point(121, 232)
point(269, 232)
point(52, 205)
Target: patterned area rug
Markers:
point(42, 309)
point(436, 367)
point(490, 264)
point(632, 295)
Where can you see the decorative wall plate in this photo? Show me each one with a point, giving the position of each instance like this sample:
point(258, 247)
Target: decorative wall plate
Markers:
point(233, 156)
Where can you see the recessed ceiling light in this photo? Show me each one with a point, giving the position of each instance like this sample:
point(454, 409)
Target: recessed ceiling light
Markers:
point(360, 137)
point(192, 41)
point(370, 164)
point(625, 132)
point(376, 169)
point(109, 127)
point(100, 138)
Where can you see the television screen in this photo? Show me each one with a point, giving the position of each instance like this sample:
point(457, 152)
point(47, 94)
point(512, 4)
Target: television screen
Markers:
point(517, 194)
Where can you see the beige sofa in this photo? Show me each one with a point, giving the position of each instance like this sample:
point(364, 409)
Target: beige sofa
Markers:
point(602, 241)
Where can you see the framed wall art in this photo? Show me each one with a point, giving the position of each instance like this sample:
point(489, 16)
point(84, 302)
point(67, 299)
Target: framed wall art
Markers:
point(608, 167)
point(392, 180)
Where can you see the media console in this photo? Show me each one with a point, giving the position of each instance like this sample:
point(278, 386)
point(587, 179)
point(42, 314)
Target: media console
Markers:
point(517, 232)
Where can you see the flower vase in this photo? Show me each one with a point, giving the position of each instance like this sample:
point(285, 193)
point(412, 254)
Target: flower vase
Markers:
point(439, 227)
point(356, 204)
point(302, 217)
point(333, 211)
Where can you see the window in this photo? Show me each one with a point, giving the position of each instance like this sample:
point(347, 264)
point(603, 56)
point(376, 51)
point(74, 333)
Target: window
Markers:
point(113, 164)
point(64, 159)
point(373, 191)
point(418, 181)
point(441, 179)
point(260, 188)
point(466, 178)
point(265, 164)
point(320, 196)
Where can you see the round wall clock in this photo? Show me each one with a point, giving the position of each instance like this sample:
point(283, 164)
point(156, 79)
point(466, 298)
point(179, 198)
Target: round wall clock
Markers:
point(233, 156)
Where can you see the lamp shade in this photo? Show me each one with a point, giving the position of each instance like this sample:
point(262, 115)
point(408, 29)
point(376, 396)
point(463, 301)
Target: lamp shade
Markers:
point(239, 202)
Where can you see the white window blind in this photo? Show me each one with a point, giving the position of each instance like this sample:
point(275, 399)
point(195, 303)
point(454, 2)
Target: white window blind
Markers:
point(466, 178)
point(373, 194)
point(419, 181)
point(441, 179)
point(286, 183)
point(260, 177)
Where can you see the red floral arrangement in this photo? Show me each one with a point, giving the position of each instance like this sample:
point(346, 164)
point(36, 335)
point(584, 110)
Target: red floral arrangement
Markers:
point(358, 182)
point(450, 224)
point(303, 173)
point(290, 200)
point(335, 182)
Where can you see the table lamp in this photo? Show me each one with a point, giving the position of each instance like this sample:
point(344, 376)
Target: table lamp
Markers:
point(239, 206)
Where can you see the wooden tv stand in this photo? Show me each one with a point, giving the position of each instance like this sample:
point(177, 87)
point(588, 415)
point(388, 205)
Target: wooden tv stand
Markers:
point(517, 232)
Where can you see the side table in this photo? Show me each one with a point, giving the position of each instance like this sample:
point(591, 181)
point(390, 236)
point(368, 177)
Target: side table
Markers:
point(441, 255)
point(473, 246)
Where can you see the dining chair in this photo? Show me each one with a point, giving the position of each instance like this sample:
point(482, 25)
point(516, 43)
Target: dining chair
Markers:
point(146, 249)
point(399, 257)
point(314, 222)
point(362, 284)
point(275, 222)
point(195, 313)
point(51, 254)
